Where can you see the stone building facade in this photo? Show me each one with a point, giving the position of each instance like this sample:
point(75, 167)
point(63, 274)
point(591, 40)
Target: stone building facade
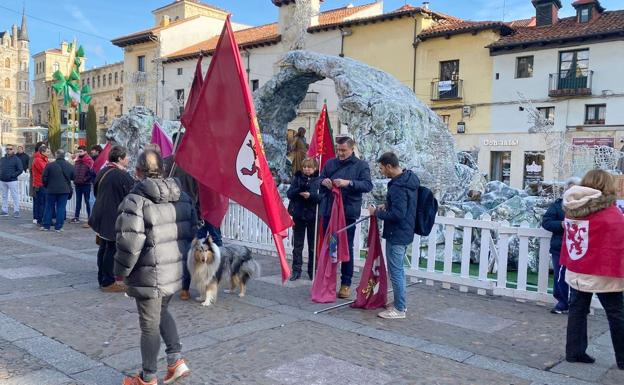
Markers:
point(106, 84)
point(14, 84)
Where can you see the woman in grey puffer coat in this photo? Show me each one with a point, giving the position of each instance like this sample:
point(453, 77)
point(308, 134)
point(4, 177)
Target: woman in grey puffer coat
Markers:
point(155, 227)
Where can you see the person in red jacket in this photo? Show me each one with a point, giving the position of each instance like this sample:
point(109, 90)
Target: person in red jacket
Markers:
point(40, 160)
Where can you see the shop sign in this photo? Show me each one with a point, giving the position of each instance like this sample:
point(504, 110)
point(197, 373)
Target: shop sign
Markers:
point(501, 142)
point(593, 142)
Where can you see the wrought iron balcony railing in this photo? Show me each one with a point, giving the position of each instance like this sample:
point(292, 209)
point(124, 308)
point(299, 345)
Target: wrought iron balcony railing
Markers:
point(570, 84)
point(446, 89)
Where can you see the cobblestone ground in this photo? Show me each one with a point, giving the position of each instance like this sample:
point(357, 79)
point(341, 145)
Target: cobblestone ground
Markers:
point(56, 327)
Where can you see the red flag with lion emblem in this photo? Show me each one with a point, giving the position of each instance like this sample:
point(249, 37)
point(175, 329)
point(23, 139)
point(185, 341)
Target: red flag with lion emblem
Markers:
point(372, 292)
point(222, 147)
point(592, 245)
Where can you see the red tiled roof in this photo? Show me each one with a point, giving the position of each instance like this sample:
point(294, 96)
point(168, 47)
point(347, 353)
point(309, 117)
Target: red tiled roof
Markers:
point(340, 14)
point(250, 37)
point(523, 23)
point(454, 27)
point(609, 23)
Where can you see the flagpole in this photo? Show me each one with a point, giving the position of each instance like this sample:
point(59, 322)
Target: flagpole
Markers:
point(175, 149)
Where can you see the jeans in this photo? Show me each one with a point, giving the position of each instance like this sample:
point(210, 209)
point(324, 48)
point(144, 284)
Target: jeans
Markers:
point(299, 233)
point(56, 202)
point(156, 321)
point(214, 231)
point(105, 262)
point(39, 204)
point(561, 291)
point(10, 187)
point(395, 255)
point(576, 343)
point(346, 268)
point(83, 190)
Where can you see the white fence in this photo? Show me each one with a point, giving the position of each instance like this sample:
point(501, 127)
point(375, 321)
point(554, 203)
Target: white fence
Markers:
point(26, 201)
point(488, 274)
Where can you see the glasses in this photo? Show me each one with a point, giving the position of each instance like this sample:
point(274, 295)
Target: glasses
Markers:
point(9, 149)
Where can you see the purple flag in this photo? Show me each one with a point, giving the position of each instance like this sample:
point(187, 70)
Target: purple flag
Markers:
point(161, 139)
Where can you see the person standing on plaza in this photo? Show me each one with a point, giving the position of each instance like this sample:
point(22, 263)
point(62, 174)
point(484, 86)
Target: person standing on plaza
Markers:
point(155, 227)
point(39, 163)
point(10, 168)
point(593, 255)
point(399, 216)
point(23, 157)
point(299, 148)
point(304, 198)
point(111, 186)
point(84, 176)
point(352, 176)
point(553, 222)
point(56, 178)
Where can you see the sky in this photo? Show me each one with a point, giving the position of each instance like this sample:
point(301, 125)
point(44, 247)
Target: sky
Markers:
point(95, 22)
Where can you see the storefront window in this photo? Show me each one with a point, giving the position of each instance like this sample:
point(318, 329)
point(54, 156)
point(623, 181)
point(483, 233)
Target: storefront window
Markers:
point(533, 167)
point(500, 167)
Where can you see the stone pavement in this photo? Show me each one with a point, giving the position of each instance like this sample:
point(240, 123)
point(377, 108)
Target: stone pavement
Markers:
point(56, 327)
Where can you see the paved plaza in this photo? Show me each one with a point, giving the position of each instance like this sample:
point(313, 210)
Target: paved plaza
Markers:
point(56, 327)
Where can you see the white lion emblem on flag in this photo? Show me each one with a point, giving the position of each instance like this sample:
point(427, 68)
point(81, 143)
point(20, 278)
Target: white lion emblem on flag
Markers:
point(247, 165)
point(576, 238)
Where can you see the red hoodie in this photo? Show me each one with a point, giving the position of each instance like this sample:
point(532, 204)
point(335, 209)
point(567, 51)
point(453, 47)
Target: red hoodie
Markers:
point(38, 164)
point(83, 170)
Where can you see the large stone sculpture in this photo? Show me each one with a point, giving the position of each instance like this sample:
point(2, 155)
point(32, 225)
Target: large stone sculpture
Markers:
point(380, 112)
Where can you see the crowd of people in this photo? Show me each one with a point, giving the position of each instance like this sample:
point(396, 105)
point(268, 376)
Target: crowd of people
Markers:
point(145, 220)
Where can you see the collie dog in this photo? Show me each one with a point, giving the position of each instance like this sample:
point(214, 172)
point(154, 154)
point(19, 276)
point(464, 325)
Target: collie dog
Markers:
point(209, 264)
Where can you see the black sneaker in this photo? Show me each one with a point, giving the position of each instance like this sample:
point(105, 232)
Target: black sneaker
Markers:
point(583, 358)
point(75, 220)
point(554, 310)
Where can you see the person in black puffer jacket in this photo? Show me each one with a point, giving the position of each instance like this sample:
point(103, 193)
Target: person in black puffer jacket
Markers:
point(56, 178)
point(553, 222)
point(304, 197)
point(155, 228)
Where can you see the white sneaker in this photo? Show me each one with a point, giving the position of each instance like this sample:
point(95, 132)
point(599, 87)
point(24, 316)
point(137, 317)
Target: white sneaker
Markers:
point(392, 313)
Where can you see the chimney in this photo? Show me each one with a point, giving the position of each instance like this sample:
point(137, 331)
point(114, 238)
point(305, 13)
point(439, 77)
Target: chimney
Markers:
point(425, 5)
point(546, 12)
point(587, 10)
point(165, 20)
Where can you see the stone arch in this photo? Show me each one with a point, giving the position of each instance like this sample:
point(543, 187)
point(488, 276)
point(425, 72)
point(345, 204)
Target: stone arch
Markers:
point(380, 112)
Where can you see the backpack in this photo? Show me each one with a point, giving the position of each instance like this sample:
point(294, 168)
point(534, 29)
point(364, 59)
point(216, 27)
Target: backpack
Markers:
point(426, 210)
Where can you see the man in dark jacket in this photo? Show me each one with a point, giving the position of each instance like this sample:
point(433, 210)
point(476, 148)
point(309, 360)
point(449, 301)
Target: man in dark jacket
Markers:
point(304, 197)
point(10, 168)
point(23, 157)
point(83, 180)
point(111, 186)
point(56, 178)
point(150, 256)
point(553, 222)
point(352, 176)
point(399, 216)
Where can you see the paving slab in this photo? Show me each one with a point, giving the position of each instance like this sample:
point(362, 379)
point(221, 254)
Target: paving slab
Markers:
point(41, 377)
point(470, 320)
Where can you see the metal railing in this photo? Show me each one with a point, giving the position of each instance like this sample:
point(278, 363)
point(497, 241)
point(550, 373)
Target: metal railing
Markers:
point(568, 84)
point(446, 89)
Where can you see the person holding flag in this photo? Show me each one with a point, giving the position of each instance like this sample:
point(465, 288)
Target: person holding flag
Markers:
point(399, 216)
point(593, 253)
point(352, 176)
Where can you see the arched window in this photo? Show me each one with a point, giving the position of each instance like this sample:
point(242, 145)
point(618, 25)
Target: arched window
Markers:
point(7, 83)
point(110, 79)
point(7, 106)
point(7, 63)
point(56, 67)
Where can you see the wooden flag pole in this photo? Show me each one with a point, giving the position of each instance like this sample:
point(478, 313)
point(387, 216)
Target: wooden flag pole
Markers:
point(316, 227)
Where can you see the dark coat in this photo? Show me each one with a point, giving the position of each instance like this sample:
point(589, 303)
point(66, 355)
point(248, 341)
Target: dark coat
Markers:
point(300, 208)
point(109, 195)
point(25, 160)
point(57, 177)
point(552, 221)
point(155, 227)
point(353, 169)
point(10, 168)
point(399, 215)
point(84, 173)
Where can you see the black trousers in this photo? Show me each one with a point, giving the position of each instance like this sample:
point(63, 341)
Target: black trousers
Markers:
point(299, 232)
point(105, 262)
point(576, 343)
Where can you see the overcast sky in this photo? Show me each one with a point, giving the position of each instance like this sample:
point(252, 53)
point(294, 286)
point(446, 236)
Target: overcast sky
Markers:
point(95, 22)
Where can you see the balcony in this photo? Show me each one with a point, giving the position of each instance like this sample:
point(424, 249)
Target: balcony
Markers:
point(310, 102)
point(565, 84)
point(138, 77)
point(446, 89)
point(102, 119)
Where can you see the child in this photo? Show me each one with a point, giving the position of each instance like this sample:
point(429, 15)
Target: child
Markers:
point(304, 196)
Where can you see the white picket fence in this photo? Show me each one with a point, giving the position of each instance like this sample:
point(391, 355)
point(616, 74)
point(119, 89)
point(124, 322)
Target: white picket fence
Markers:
point(26, 201)
point(490, 276)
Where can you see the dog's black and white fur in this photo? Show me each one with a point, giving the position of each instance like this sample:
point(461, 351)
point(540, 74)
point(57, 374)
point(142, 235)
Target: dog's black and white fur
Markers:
point(209, 264)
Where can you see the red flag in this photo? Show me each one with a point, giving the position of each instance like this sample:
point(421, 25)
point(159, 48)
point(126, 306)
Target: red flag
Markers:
point(372, 291)
point(196, 86)
point(322, 144)
point(335, 249)
point(222, 147)
point(102, 158)
point(162, 140)
point(592, 245)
